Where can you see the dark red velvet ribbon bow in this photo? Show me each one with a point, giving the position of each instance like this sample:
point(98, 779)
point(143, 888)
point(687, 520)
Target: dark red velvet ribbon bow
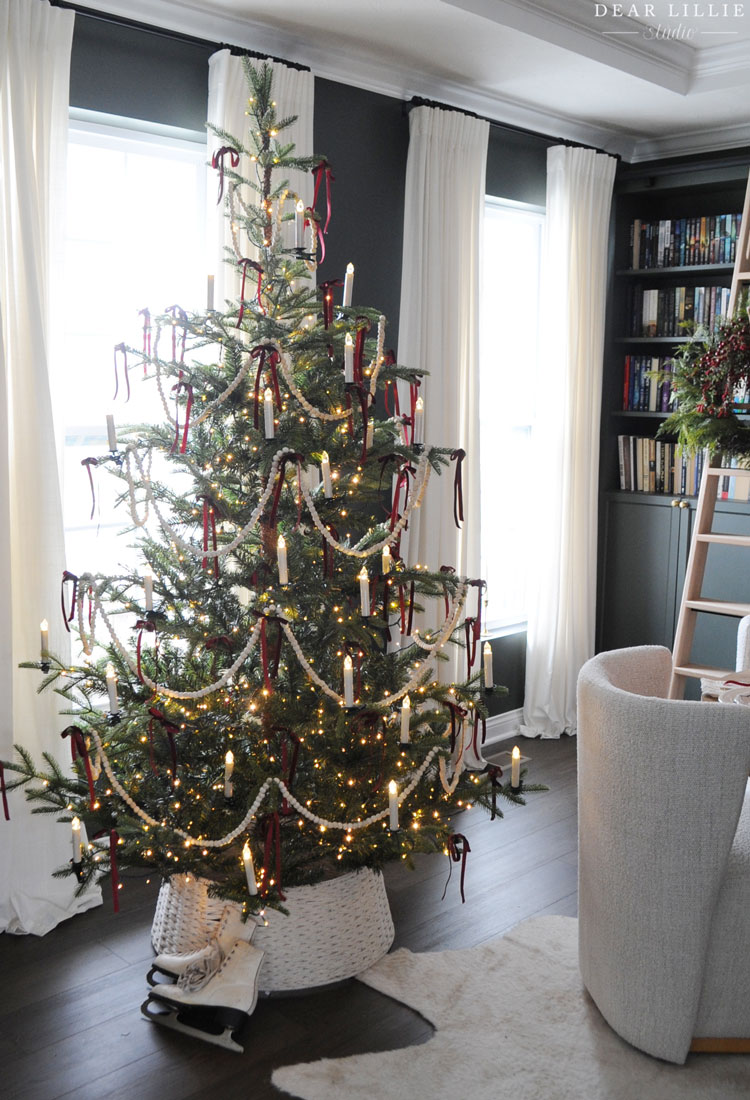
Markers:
point(121, 348)
point(78, 748)
point(290, 456)
point(68, 616)
point(458, 457)
point(177, 390)
point(322, 171)
point(210, 511)
point(494, 772)
point(326, 289)
point(88, 463)
point(217, 162)
point(447, 569)
point(245, 264)
point(260, 352)
point(178, 315)
point(458, 850)
point(146, 315)
point(140, 626)
point(271, 823)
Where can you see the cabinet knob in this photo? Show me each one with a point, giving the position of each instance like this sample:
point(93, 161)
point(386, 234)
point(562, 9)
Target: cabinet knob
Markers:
point(684, 504)
point(675, 503)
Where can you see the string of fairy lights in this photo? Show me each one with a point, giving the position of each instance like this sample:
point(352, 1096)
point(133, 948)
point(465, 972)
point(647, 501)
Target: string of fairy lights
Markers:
point(143, 501)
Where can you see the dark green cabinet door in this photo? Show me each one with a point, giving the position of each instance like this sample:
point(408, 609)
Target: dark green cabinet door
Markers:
point(641, 545)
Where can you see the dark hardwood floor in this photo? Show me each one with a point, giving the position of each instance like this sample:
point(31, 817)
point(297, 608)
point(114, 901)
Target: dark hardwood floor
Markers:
point(70, 1021)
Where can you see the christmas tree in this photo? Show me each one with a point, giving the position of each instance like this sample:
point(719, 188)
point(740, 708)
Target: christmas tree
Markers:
point(274, 716)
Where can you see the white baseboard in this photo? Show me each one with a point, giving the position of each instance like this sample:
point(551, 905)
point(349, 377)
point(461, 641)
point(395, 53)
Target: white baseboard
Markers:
point(502, 727)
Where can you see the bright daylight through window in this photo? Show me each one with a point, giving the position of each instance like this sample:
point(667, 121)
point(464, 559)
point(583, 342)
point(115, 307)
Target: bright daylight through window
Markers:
point(134, 240)
point(509, 319)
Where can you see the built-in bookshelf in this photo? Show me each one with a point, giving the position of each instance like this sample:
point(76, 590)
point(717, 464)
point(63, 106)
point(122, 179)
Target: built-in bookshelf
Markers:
point(675, 236)
point(674, 256)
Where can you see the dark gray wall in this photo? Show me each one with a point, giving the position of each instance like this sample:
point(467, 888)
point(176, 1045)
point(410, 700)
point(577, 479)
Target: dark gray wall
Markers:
point(517, 166)
point(126, 71)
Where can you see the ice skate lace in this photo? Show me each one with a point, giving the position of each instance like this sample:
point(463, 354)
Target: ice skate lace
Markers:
point(202, 970)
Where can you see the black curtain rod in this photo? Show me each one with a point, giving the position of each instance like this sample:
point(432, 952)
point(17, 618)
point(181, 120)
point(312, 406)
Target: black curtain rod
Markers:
point(417, 101)
point(175, 36)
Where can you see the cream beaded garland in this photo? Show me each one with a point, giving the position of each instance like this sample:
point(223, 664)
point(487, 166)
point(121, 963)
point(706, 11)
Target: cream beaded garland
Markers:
point(224, 841)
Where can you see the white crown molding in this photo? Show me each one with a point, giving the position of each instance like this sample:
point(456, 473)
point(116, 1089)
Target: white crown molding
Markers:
point(693, 142)
point(718, 68)
point(572, 25)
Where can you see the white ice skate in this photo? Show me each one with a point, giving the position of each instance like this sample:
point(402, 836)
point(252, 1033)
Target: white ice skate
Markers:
point(208, 959)
point(219, 1006)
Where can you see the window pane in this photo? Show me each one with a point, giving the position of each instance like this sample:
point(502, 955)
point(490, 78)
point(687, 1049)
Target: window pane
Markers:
point(509, 324)
point(135, 239)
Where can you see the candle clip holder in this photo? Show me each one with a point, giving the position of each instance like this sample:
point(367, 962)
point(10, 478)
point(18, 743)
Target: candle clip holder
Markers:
point(417, 447)
point(118, 457)
point(113, 718)
point(354, 707)
point(518, 789)
point(77, 869)
point(44, 665)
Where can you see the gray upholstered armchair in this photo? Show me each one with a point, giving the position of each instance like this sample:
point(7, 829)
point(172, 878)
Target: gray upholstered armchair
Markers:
point(664, 857)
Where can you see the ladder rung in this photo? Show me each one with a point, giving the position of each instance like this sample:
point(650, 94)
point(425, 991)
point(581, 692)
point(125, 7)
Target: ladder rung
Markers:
point(703, 672)
point(725, 540)
point(719, 607)
point(728, 471)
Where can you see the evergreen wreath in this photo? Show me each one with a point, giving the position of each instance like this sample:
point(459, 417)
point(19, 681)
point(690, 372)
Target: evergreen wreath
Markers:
point(710, 381)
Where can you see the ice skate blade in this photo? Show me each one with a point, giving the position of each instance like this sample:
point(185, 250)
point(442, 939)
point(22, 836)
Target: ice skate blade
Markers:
point(202, 1026)
point(157, 976)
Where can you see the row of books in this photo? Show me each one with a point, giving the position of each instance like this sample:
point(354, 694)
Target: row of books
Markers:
point(641, 392)
point(664, 311)
point(654, 466)
point(681, 242)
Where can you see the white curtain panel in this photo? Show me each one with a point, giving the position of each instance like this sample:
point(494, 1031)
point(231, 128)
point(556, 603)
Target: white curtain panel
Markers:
point(439, 333)
point(566, 436)
point(35, 42)
point(294, 93)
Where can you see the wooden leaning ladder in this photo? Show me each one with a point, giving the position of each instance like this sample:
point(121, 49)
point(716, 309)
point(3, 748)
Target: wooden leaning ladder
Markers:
point(693, 603)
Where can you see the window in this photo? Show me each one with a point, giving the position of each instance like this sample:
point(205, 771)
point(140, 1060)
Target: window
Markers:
point(135, 239)
point(508, 348)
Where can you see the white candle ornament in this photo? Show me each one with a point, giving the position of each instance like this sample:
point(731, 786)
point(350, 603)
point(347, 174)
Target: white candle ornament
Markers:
point(148, 588)
point(114, 704)
point(210, 292)
point(348, 284)
point(325, 470)
point(405, 720)
point(385, 560)
point(281, 555)
point(44, 632)
point(268, 414)
point(299, 223)
point(419, 421)
point(370, 438)
point(348, 682)
point(392, 806)
point(247, 859)
point(111, 433)
point(228, 769)
point(348, 358)
point(515, 767)
point(364, 591)
point(75, 826)
point(487, 656)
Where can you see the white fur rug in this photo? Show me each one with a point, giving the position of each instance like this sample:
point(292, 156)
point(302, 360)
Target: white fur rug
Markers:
point(512, 1021)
